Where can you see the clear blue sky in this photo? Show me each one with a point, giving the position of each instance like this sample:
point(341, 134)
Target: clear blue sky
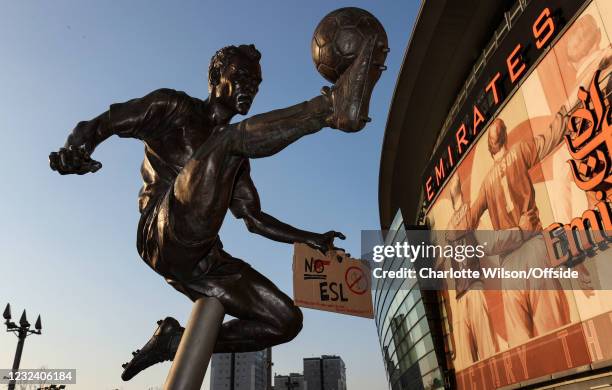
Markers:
point(67, 243)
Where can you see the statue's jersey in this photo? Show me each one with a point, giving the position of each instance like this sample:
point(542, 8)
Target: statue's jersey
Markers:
point(172, 125)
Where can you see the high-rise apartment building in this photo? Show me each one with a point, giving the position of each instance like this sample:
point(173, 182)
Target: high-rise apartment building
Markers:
point(325, 373)
point(241, 371)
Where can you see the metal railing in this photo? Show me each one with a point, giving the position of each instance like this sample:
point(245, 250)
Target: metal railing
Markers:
point(510, 18)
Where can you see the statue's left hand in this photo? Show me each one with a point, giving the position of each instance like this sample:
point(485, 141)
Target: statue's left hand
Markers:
point(73, 160)
point(325, 242)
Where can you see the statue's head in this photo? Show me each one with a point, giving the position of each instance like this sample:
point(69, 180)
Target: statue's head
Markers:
point(234, 76)
point(498, 137)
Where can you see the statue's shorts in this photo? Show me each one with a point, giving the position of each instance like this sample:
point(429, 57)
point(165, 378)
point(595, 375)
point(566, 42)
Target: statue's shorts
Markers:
point(194, 268)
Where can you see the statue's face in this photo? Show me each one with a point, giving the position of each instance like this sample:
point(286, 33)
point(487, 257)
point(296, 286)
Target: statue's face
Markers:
point(239, 83)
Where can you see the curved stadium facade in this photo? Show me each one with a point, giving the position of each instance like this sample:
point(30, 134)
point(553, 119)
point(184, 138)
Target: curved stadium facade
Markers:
point(475, 69)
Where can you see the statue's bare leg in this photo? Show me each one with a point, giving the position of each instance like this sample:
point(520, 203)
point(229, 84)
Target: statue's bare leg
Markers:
point(264, 315)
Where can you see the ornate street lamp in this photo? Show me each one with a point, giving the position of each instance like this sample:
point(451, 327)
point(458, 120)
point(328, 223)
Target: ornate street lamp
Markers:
point(21, 331)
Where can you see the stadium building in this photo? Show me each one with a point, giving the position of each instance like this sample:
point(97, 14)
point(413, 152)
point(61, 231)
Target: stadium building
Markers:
point(500, 120)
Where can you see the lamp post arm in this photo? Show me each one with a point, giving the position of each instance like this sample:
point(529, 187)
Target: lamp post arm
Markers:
point(17, 360)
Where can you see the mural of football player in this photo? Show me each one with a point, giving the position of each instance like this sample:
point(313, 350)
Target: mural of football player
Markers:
point(476, 339)
point(532, 308)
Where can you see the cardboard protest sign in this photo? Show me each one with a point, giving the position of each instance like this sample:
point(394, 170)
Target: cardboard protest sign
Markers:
point(332, 283)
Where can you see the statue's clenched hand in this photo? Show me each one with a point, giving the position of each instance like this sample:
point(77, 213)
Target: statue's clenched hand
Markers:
point(325, 242)
point(73, 160)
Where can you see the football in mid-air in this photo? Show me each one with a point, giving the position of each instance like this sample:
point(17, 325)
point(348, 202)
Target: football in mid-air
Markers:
point(340, 36)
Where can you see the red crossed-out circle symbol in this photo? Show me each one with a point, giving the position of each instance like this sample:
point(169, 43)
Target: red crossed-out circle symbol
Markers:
point(356, 280)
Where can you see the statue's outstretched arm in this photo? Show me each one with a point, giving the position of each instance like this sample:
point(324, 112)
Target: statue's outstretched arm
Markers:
point(75, 156)
point(137, 118)
point(245, 205)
